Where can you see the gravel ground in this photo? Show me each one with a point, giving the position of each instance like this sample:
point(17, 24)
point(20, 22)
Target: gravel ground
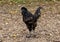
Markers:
point(12, 28)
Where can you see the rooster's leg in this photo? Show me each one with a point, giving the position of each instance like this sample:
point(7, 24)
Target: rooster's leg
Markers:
point(29, 35)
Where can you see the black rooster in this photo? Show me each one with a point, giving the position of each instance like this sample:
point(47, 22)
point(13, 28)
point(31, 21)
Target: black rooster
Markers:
point(29, 19)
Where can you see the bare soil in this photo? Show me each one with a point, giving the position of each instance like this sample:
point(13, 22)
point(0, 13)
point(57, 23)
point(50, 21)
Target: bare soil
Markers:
point(13, 29)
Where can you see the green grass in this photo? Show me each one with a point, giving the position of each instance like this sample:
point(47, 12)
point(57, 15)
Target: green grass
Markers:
point(24, 1)
point(18, 1)
point(28, 1)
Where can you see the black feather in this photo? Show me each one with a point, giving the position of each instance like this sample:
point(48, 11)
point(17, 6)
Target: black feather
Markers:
point(29, 19)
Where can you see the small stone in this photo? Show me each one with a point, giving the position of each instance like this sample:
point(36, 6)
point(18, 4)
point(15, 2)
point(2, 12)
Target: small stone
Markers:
point(13, 35)
point(19, 5)
point(6, 23)
point(10, 3)
point(43, 33)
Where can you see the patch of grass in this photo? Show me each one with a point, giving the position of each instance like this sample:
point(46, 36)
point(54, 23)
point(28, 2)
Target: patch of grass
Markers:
point(1, 1)
point(25, 1)
point(18, 1)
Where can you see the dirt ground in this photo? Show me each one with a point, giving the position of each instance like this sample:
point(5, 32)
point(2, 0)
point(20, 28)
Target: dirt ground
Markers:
point(13, 29)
